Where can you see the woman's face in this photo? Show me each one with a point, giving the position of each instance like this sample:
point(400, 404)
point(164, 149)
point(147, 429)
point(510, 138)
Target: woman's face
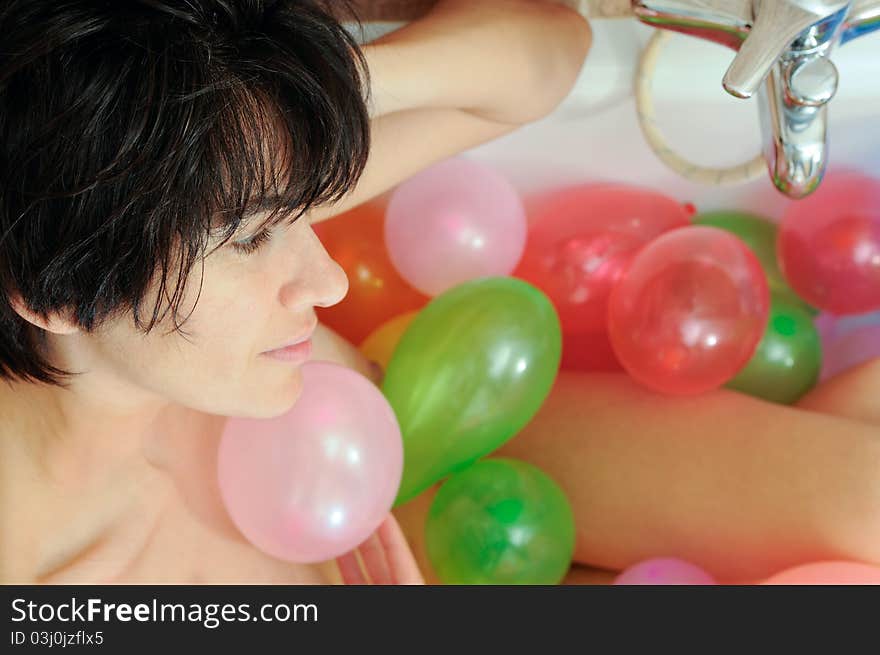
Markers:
point(248, 303)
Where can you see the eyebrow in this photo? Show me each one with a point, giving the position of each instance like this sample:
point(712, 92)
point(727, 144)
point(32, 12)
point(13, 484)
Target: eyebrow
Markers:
point(267, 203)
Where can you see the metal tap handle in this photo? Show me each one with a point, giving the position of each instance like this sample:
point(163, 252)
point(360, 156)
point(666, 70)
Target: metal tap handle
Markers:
point(776, 26)
point(863, 18)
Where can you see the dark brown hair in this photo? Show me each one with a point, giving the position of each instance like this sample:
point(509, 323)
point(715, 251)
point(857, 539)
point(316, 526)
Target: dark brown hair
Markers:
point(132, 130)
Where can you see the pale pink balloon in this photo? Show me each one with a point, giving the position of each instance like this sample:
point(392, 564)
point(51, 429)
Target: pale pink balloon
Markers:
point(664, 571)
point(455, 221)
point(316, 482)
point(827, 573)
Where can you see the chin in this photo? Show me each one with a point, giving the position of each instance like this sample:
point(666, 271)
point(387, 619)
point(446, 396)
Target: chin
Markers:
point(274, 402)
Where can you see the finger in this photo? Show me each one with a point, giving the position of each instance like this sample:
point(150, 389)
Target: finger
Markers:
point(404, 569)
point(350, 569)
point(372, 551)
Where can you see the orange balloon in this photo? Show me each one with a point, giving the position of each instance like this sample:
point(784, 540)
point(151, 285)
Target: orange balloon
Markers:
point(827, 573)
point(376, 290)
point(380, 345)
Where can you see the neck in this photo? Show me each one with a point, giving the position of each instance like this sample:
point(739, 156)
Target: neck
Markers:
point(77, 435)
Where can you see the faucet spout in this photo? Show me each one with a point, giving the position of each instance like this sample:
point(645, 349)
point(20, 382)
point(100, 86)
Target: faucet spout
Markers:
point(795, 133)
point(783, 52)
point(793, 104)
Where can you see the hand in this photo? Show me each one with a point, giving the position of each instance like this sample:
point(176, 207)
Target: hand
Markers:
point(387, 559)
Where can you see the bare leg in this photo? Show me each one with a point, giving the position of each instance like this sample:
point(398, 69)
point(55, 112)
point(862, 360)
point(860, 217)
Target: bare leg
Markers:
point(740, 486)
point(854, 394)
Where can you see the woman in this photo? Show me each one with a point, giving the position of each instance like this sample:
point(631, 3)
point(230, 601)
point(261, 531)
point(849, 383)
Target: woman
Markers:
point(162, 163)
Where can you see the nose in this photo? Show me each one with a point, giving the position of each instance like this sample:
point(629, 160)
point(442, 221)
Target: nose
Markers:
point(317, 281)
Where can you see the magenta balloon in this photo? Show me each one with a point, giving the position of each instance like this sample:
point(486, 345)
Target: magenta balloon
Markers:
point(455, 221)
point(850, 349)
point(829, 244)
point(826, 326)
point(664, 571)
point(317, 481)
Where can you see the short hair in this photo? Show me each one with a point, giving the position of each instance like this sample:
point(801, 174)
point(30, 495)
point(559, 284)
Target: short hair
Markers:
point(133, 130)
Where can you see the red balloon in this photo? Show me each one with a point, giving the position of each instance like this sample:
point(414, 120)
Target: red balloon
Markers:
point(589, 351)
point(690, 310)
point(580, 241)
point(376, 291)
point(829, 244)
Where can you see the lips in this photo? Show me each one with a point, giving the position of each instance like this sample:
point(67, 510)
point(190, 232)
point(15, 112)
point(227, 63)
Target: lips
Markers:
point(297, 354)
point(304, 336)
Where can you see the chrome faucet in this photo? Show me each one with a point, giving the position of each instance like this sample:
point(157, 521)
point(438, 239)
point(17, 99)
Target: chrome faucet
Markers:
point(783, 50)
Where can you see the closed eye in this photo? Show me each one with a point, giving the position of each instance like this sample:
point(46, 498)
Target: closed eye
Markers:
point(254, 243)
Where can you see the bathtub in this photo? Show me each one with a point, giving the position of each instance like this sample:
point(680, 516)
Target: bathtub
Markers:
point(594, 134)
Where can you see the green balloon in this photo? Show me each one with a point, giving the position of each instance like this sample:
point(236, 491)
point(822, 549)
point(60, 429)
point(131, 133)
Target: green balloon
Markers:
point(470, 371)
point(759, 234)
point(500, 521)
point(789, 357)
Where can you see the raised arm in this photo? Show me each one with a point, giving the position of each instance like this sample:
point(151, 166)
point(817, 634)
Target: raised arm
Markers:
point(466, 73)
point(509, 61)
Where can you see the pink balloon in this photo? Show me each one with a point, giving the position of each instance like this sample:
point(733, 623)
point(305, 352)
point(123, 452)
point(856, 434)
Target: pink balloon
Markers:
point(664, 571)
point(317, 481)
point(829, 244)
point(827, 573)
point(455, 221)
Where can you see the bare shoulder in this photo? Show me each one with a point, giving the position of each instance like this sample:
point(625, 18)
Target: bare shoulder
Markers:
point(197, 532)
point(185, 550)
point(17, 547)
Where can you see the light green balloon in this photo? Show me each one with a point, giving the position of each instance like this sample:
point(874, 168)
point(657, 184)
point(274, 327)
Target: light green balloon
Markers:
point(470, 371)
point(500, 521)
point(760, 235)
point(788, 360)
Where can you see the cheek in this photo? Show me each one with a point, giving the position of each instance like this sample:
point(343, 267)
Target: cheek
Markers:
point(233, 298)
point(220, 335)
point(212, 363)
point(230, 326)
point(226, 325)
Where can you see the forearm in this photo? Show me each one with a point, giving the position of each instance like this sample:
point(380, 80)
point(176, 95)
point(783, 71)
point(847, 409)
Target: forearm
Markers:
point(740, 486)
point(511, 61)
point(397, 10)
